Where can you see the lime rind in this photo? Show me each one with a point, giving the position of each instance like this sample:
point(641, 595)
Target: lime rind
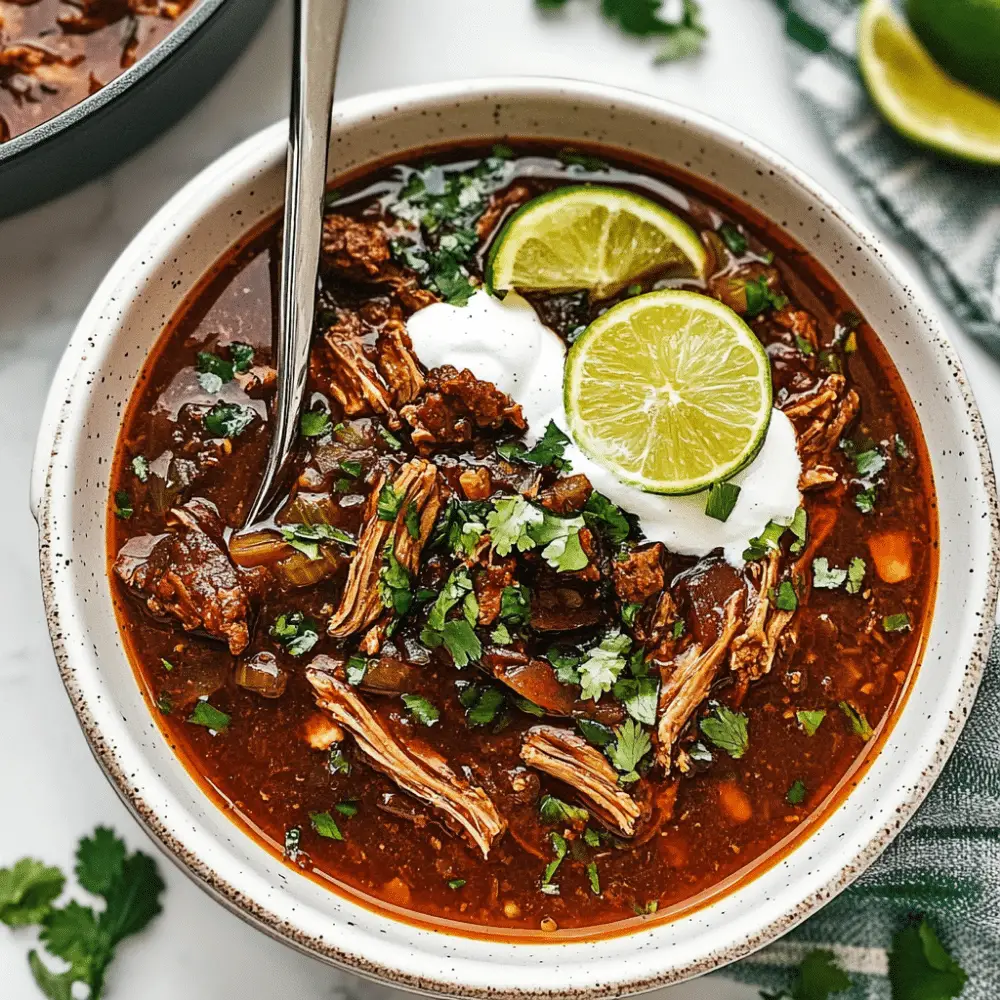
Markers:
point(590, 238)
point(917, 97)
point(684, 392)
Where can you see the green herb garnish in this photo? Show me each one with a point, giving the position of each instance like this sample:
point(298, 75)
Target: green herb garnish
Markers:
point(721, 500)
point(228, 420)
point(897, 623)
point(796, 794)
point(325, 825)
point(857, 720)
point(727, 730)
point(297, 633)
point(140, 468)
point(553, 810)
point(421, 709)
point(123, 505)
point(209, 716)
point(314, 423)
point(810, 720)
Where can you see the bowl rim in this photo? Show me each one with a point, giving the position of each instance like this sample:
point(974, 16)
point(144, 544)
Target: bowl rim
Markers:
point(58, 410)
point(55, 126)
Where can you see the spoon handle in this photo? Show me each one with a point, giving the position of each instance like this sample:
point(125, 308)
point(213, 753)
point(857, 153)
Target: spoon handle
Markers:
point(318, 28)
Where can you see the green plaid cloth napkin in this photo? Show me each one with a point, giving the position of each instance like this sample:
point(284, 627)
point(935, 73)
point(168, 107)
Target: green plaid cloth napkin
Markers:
point(946, 863)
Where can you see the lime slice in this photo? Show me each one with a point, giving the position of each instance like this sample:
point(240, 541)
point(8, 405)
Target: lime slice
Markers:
point(670, 391)
point(598, 239)
point(917, 96)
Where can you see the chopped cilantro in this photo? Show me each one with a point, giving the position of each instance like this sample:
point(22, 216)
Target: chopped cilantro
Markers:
point(857, 720)
point(325, 825)
point(595, 733)
point(411, 519)
point(639, 696)
point(566, 665)
point(86, 941)
point(766, 542)
point(528, 707)
point(209, 716)
point(501, 635)
point(219, 369)
point(547, 451)
point(348, 808)
point(457, 635)
point(735, 241)
point(484, 711)
point(645, 909)
point(869, 463)
point(760, 298)
point(515, 523)
point(602, 665)
point(421, 709)
point(461, 641)
point(357, 667)
point(164, 704)
point(810, 720)
point(242, 355)
point(559, 849)
point(631, 744)
point(351, 468)
point(394, 583)
point(897, 623)
point(594, 878)
point(314, 423)
point(140, 468)
point(920, 967)
point(390, 503)
point(825, 578)
point(902, 449)
point(855, 575)
point(721, 500)
point(389, 438)
point(337, 763)
point(818, 978)
point(456, 883)
point(553, 810)
point(574, 158)
point(678, 628)
point(442, 269)
point(515, 604)
point(460, 526)
point(591, 837)
point(727, 730)
point(785, 598)
point(123, 505)
point(601, 514)
point(293, 837)
point(796, 794)
point(306, 538)
point(865, 500)
point(798, 527)
point(228, 420)
point(167, 665)
point(629, 611)
point(293, 630)
point(700, 753)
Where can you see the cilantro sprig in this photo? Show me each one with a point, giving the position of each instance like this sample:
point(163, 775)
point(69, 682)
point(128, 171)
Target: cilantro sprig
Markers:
point(83, 937)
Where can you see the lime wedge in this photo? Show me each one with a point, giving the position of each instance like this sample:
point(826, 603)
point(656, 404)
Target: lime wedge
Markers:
point(917, 97)
point(670, 391)
point(598, 239)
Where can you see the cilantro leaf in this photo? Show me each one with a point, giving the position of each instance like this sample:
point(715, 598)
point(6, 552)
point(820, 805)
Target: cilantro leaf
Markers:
point(221, 370)
point(553, 810)
point(559, 848)
point(897, 623)
point(460, 526)
point(306, 538)
point(295, 631)
point(228, 420)
point(325, 825)
point(209, 716)
point(602, 665)
point(547, 451)
point(394, 583)
point(487, 704)
point(515, 604)
point(721, 500)
point(601, 514)
point(798, 528)
point(458, 584)
point(632, 743)
point(810, 721)
point(735, 241)
point(825, 578)
point(785, 598)
point(594, 878)
point(27, 891)
point(314, 423)
point(561, 538)
point(421, 709)
point(390, 502)
point(566, 665)
point(855, 575)
point(140, 468)
point(796, 794)
point(461, 641)
point(595, 733)
point(920, 968)
point(727, 730)
point(760, 297)
point(99, 860)
point(639, 696)
point(508, 524)
point(857, 720)
point(123, 505)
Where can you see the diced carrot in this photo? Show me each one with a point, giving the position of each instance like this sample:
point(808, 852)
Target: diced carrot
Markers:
point(893, 555)
point(734, 802)
point(397, 891)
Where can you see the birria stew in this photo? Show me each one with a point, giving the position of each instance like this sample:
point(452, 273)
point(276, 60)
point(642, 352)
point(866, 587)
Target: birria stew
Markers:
point(54, 53)
point(535, 643)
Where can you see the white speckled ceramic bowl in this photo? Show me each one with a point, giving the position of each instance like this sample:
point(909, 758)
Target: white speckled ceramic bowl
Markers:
point(165, 262)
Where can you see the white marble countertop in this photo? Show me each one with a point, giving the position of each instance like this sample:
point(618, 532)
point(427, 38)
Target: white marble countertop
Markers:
point(52, 259)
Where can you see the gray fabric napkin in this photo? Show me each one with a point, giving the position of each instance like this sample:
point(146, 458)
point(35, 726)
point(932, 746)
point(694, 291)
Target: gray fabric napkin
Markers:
point(946, 863)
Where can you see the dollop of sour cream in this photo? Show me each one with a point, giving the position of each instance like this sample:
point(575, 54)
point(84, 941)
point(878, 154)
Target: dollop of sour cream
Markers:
point(504, 342)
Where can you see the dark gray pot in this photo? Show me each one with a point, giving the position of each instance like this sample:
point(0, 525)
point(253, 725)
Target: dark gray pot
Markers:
point(133, 109)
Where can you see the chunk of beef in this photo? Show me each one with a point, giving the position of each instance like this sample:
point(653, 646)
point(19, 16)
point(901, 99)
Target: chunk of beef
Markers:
point(397, 363)
point(359, 250)
point(418, 484)
point(569, 758)
point(562, 609)
point(454, 404)
point(466, 809)
point(501, 203)
point(187, 573)
point(820, 415)
point(686, 680)
point(567, 495)
point(638, 576)
point(476, 483)
point(489, 585)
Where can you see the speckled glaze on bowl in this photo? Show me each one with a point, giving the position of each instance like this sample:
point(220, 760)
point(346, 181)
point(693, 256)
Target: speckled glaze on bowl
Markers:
point(69, 489)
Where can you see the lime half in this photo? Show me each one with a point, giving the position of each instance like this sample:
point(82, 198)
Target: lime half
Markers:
point(598, 239)
point(917, 96)
point(670, 391)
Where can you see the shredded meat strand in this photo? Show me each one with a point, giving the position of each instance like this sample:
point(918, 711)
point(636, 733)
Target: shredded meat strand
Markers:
point(571, 759)
point(686, 680)
point(821, 416)
point(752, 650)
point(416, 768)
point(418, 483)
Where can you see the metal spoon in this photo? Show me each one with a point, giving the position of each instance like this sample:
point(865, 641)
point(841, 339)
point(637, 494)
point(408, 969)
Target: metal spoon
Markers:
point(318, 28)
